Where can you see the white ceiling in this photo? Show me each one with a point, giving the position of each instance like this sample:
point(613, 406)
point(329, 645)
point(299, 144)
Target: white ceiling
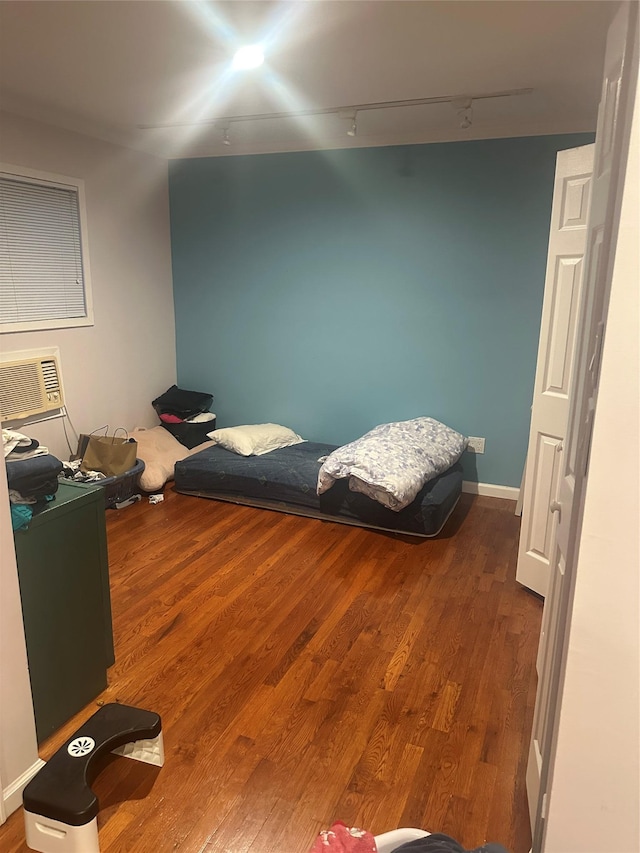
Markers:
point(106, 67)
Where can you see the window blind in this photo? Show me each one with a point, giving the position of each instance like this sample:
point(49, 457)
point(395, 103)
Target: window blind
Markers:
point(41, 273)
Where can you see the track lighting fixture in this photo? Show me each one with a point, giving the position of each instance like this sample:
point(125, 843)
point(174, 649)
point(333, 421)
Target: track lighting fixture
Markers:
point(461, 103)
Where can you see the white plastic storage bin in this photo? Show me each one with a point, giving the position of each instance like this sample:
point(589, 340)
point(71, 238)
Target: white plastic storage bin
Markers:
point(390, 841)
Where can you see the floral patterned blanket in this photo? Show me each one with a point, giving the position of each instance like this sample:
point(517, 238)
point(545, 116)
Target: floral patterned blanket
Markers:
point(392, 462)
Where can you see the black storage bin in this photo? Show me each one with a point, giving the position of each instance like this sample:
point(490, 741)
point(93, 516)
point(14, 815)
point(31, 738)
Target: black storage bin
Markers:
point(183, 404)
point(191, 435)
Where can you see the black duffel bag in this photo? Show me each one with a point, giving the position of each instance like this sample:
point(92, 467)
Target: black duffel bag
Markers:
point(183, 404)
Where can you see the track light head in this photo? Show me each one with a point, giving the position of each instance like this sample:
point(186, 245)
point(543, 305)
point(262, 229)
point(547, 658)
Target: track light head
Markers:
point(353, 129)
point(464, 111)
point(225, 136)
point(466, 118)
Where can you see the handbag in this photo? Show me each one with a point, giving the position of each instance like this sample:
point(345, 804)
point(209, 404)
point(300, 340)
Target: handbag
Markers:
point(112, 455)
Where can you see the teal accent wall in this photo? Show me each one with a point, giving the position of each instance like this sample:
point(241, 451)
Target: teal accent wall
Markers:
point(331, 291)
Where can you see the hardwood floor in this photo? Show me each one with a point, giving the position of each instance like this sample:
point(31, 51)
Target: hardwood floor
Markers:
point(308, 672)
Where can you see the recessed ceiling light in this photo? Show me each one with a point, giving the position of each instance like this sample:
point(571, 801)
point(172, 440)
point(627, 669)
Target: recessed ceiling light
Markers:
point(249, 56)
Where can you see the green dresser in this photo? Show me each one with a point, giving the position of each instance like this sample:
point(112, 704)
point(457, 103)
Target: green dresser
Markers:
point(66, 605)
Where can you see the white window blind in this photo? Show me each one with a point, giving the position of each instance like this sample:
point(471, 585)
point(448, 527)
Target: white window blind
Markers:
point(42, 281)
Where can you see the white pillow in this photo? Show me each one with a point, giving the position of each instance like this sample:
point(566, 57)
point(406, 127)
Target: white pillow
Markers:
point(254, 439)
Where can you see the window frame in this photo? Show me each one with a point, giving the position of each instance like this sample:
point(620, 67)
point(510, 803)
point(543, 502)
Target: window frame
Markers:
point(49, 179)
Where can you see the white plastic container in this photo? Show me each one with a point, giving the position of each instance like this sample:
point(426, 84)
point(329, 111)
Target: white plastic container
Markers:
point(390, 841)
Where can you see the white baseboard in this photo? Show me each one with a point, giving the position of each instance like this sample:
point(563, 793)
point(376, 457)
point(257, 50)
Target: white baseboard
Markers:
point(489, 490)
point(12, 794)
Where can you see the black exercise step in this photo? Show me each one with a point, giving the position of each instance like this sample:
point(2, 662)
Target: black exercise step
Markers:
point(61, 789)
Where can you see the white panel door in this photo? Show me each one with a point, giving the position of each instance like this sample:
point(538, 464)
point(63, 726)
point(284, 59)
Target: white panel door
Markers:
point(556, 349)
point(611, 137)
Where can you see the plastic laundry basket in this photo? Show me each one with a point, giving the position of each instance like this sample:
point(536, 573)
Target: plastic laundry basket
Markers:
point(122, 487)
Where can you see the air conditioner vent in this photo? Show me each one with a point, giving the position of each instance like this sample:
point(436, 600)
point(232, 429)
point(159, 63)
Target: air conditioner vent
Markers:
point(50, 375)
point(29, 387)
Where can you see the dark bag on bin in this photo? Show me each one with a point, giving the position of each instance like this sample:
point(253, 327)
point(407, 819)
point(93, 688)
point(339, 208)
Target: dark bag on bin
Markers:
point(183, 404)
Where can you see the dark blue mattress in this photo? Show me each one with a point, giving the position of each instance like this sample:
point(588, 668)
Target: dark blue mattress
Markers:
point(286, 480)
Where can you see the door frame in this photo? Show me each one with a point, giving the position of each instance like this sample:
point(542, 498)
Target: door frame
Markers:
point(561, 647)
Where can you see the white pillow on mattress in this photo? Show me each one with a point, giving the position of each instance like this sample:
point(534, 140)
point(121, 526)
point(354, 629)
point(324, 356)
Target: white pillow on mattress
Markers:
point(254, 439)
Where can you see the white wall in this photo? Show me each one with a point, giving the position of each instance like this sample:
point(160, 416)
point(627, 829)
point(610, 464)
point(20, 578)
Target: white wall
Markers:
point(111, 370)
point(18, 748)
point(594, 800)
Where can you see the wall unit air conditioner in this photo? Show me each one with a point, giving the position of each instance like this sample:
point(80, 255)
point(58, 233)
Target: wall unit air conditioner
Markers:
point(30, 387)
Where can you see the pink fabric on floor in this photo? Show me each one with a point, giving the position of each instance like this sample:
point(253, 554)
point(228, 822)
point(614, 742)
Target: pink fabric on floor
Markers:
point(344, 839)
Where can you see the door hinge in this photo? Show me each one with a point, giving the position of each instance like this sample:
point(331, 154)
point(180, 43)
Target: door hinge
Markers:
point(543, 810)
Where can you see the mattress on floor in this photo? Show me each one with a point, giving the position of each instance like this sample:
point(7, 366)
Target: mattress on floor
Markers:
point(286, 480)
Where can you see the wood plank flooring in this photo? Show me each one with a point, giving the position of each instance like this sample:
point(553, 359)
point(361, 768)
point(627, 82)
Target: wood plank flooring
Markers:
point(307, 672)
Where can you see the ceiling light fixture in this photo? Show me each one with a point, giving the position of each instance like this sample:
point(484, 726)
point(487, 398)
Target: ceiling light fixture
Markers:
point(225, 135)
point(353, 129)
point(247, 57)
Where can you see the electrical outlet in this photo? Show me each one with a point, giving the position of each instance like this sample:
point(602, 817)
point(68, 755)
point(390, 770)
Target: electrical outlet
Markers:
point(476, 445)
